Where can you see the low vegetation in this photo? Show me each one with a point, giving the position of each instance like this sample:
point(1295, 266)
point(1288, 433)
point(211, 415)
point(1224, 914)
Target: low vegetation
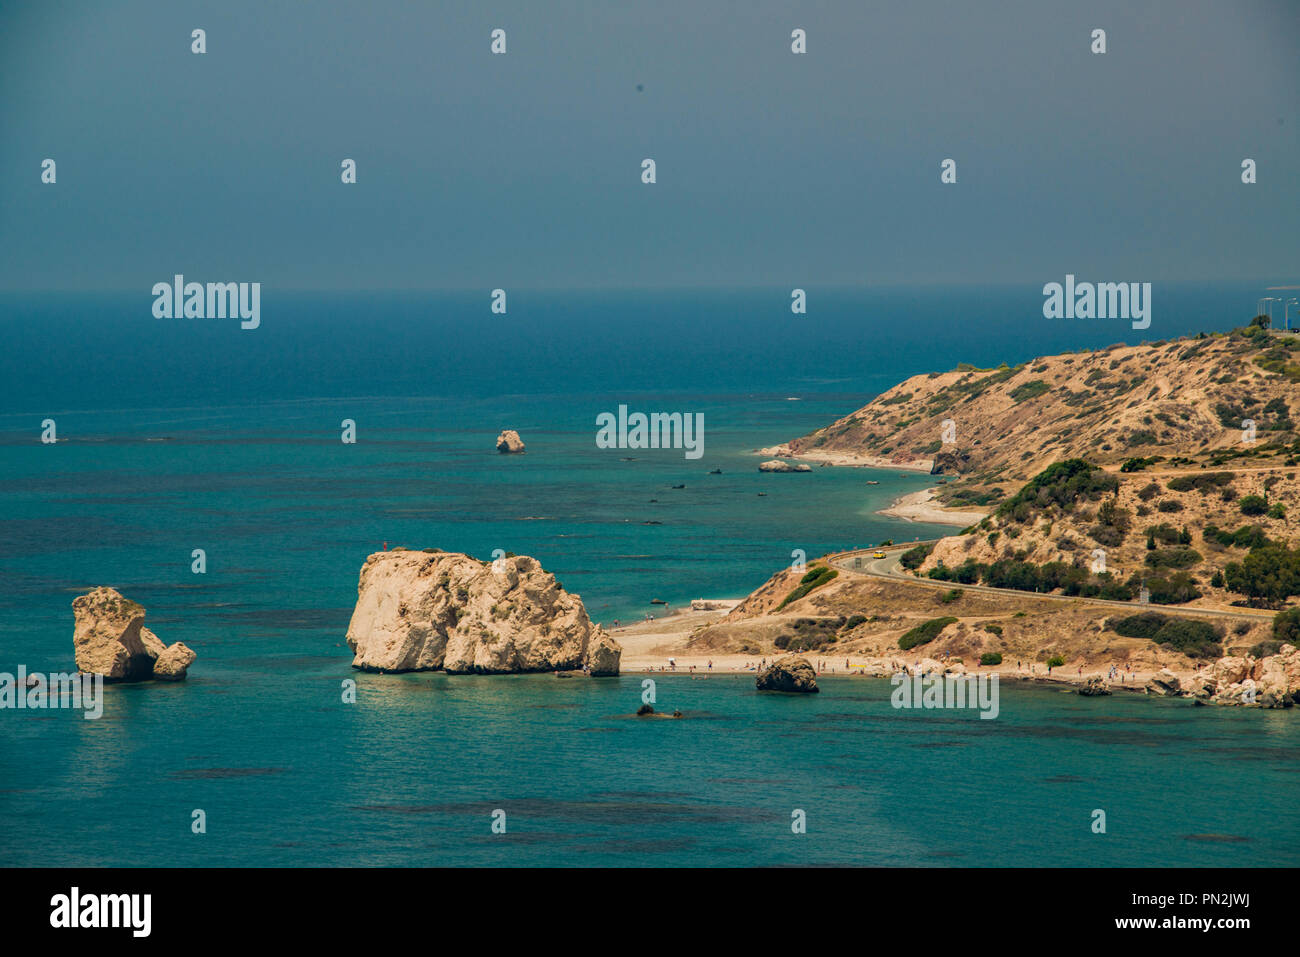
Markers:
point(1196, 639)
point(815, 577)
point(924, 632)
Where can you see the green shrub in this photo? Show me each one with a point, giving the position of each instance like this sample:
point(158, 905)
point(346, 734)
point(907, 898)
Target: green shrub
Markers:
point(1196, 639)
point(1248, 536)
point(967, 573)
point(993, 629)
point(1030, 390)
point(1176, 589)
point(914, 558)
point(1270, 573)
point(815, 577)
point(1252, 505)
point(1180, 557)
point(1262, 649)
point(923, 633)
point(1163, 533)
point(1286, 626)
point(1056, 661)
point(990, 658)
point(1203, 482)
point(1144, 625)
point(1060, 484)
point(949, 597)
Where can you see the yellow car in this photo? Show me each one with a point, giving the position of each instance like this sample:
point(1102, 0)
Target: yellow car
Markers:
point(878, 555)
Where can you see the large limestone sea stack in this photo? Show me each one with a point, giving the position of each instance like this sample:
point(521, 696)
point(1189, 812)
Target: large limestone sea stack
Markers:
point(428, 611)
point(110, 640)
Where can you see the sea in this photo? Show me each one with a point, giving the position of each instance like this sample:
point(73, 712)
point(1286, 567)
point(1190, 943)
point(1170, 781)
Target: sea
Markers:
point(188, 438)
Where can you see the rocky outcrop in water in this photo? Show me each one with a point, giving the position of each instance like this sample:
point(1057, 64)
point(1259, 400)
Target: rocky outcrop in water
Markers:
point(1163, 682)
point(110, 639)
point(173, 662)
point(509, 442)
point(790, 673)
point(775, 465)
point(425, 611)
point(1095, 686)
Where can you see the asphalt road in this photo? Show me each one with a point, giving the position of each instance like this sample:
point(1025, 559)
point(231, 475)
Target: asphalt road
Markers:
point(890, 567)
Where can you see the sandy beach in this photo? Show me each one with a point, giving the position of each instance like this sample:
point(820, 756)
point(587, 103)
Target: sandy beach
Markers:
point(922, 507)
point(848, 459)
point(649, 646)
point(913, 507)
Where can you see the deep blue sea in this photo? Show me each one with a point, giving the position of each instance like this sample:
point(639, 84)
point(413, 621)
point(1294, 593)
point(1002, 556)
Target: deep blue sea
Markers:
point(181, 434)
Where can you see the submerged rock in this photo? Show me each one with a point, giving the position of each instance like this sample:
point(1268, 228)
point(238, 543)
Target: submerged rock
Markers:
point(790, 673)
point(446, 611)
point(509, 442)
point(110, 639)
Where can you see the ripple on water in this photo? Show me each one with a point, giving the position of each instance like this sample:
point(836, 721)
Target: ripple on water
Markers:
point(219, 773)
point(1217, 838)
point(621, 812)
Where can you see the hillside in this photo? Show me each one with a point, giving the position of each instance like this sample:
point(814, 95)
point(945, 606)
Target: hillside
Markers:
point(853, 616)
point(1184, 400)
point(1200, 538)
point(1120, 475)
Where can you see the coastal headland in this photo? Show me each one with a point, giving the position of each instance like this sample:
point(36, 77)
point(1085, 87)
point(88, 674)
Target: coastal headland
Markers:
point(1129, 513)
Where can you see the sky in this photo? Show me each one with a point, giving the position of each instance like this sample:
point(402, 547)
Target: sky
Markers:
point(524, 169)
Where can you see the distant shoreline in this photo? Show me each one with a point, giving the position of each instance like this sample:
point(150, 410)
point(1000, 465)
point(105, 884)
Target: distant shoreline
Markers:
point(912, 507)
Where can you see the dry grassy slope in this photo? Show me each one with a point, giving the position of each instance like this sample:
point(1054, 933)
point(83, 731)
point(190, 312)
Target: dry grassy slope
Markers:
point(1105, 406)
point(1033, 629)
point(1068, 537)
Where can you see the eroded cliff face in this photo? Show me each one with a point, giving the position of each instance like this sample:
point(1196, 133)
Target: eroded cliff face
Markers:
point(419, 611)
point(110, 639)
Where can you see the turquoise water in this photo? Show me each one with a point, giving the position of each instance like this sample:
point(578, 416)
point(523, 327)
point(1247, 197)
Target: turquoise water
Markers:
point(412, 773)
point(181, 437)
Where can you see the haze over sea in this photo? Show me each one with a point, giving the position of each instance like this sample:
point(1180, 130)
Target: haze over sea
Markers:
point(182, 434)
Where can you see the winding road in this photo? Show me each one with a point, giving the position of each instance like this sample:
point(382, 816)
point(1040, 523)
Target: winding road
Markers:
point(858, 561)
